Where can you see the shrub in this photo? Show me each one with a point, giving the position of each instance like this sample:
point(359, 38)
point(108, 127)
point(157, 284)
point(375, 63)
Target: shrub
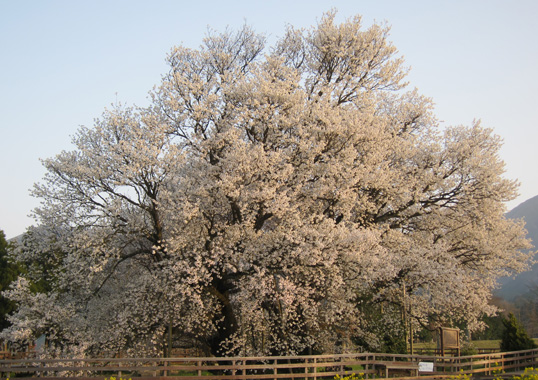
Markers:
point(515, 336)
point(353, 376)
point(529, 374)
point(468, 348)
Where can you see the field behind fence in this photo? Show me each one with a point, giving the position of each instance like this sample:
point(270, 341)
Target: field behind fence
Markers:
point(281, 367)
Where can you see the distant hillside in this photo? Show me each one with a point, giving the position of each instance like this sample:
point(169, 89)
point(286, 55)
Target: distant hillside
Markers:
point(16, 239)
point(512, 288)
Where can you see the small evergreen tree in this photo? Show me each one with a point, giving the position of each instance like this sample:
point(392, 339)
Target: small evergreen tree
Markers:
point(515, 337)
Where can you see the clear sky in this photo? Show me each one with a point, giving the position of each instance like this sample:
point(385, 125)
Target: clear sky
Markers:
point(62, 62)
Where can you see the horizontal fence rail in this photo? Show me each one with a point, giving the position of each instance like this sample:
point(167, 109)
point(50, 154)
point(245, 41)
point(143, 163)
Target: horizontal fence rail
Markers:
point(272, 367)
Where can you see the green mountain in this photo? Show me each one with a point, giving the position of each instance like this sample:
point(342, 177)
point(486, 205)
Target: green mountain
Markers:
point(512, 288)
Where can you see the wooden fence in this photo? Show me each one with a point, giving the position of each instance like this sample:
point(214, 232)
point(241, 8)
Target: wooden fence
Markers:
point(293, 367)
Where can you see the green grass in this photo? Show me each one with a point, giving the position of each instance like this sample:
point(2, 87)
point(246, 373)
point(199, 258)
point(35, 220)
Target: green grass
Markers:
point(476, 343)
point(487, 343)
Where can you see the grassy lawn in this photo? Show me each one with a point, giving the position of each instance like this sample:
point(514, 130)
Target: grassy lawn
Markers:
point(476, 343)
point(487, 343)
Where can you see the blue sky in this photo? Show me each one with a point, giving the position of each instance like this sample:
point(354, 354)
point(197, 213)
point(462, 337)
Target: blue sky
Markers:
point(63, 62)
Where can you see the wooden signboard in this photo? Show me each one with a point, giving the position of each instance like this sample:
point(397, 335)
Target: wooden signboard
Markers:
point(449, 339)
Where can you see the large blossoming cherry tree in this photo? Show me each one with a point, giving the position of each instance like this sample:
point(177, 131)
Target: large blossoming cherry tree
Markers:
point(268, 201)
